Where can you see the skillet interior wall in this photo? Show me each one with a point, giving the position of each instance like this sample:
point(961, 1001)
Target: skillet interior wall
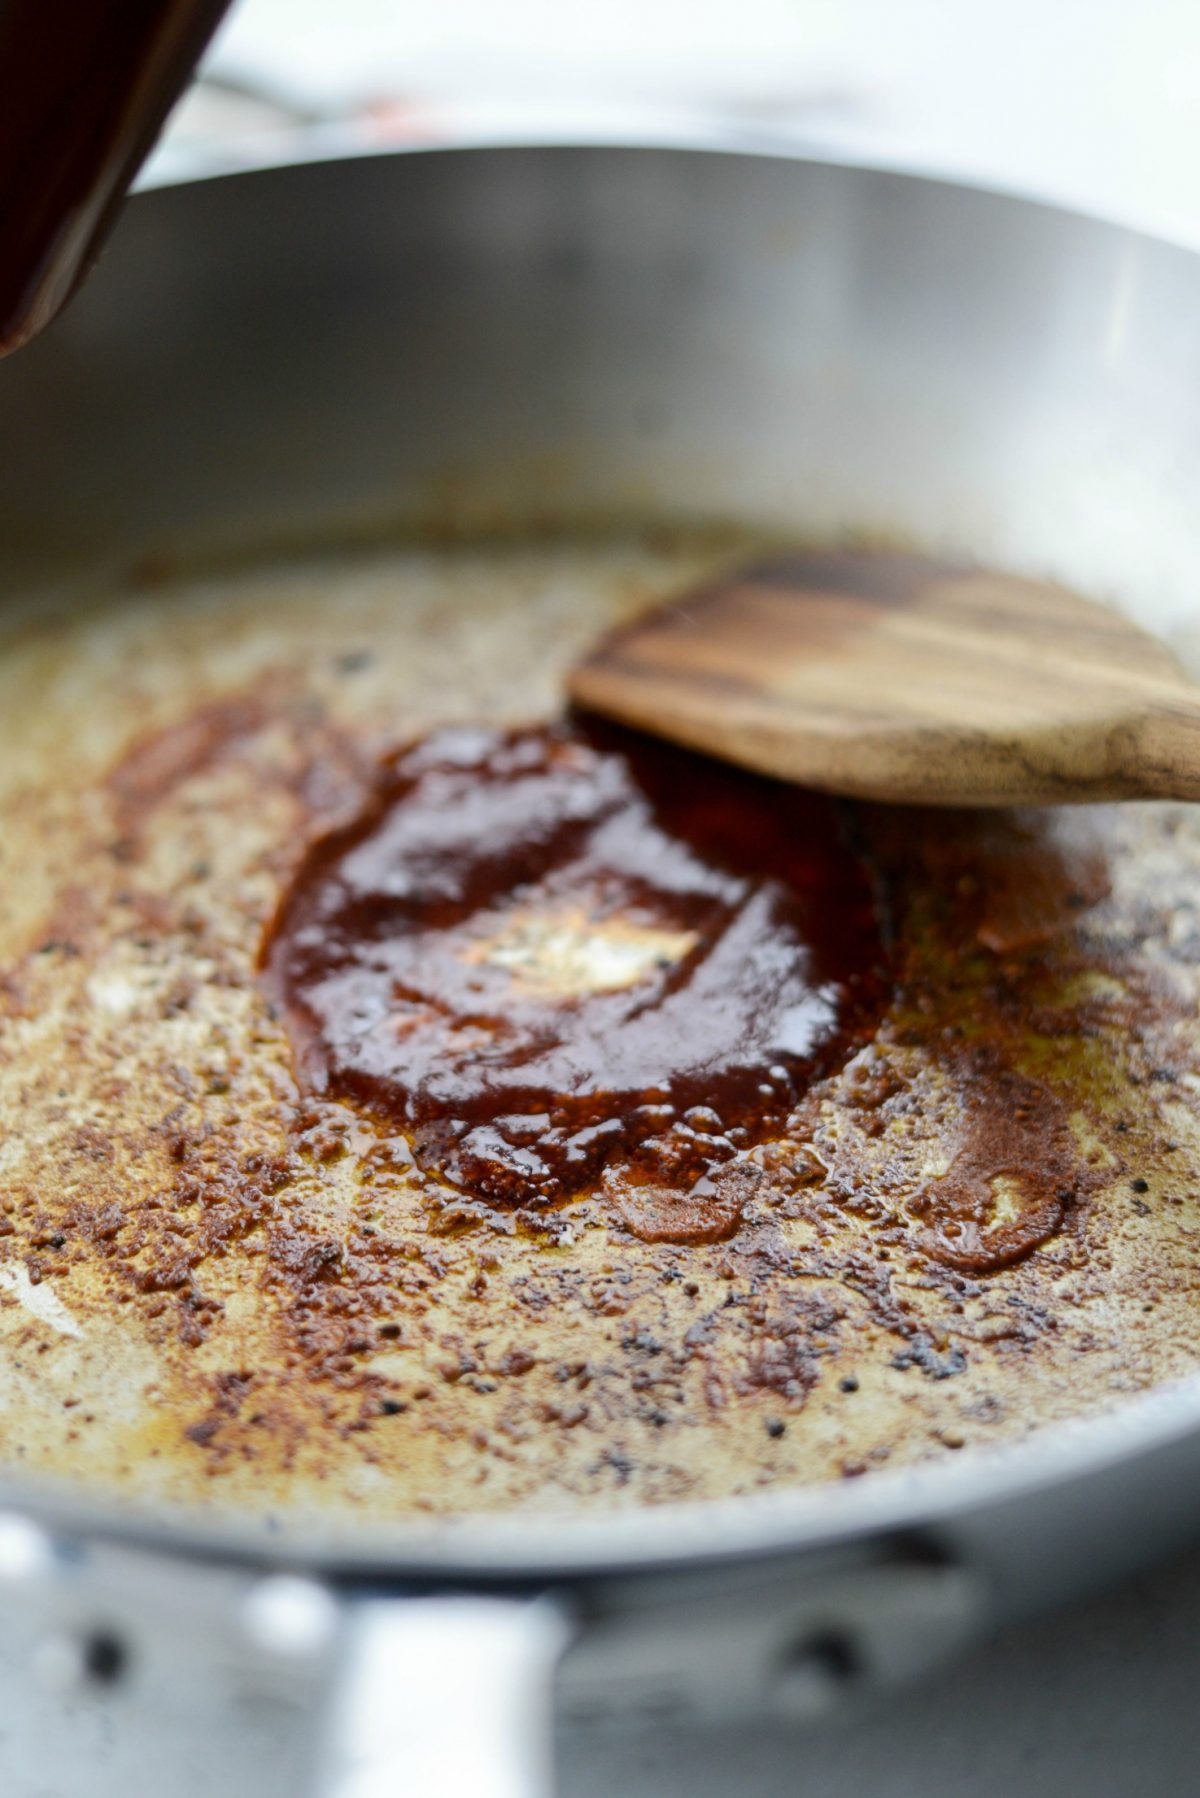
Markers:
point(465, 336)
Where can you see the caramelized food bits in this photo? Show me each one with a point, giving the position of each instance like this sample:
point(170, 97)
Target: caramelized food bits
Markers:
point(543, 954)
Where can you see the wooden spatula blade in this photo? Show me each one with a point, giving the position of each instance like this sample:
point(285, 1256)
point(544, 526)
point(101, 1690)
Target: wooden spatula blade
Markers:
point(895, 677)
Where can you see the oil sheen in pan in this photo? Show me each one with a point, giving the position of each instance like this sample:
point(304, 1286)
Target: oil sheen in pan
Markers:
point(220, 1282)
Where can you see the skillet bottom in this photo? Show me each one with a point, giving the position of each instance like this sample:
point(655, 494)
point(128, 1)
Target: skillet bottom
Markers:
point(216, 1287)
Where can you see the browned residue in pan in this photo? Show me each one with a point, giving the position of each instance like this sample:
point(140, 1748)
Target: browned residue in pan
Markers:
point(974, 1216)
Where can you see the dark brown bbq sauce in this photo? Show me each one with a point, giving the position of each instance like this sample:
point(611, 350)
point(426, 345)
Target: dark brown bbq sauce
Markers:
point(555, 956)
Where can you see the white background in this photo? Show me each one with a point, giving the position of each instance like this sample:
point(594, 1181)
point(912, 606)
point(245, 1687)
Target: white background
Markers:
point(1095, 102)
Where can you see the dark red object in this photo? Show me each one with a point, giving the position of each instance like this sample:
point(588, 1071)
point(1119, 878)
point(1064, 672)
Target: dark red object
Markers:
point(84, 90)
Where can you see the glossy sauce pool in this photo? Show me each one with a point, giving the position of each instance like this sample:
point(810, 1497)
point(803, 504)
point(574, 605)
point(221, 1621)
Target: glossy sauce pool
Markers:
point(562, 954)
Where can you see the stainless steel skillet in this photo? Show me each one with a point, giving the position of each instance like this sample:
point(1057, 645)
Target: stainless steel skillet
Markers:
point(567, 332)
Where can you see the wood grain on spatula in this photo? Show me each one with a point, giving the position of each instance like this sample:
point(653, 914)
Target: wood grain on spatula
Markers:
point(894, 677)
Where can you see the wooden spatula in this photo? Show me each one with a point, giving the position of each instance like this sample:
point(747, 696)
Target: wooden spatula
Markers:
point(893, 677)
